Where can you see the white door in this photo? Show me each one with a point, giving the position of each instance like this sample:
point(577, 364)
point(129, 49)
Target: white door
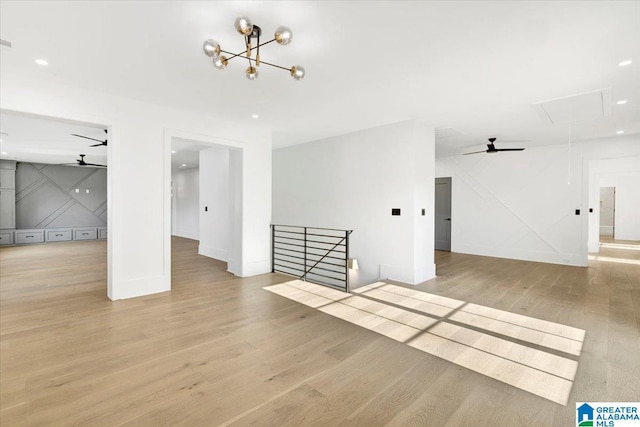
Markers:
point(607, 211)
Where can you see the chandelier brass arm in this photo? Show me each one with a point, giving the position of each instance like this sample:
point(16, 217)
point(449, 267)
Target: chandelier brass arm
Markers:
point(233, 55)
point(282, 36)
point(251, 59)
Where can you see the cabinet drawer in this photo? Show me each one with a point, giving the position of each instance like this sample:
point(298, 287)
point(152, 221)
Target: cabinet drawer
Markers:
point(85, 234)
point(6, 237)
point(29, 236)
point(102, 233)
point(57, 235)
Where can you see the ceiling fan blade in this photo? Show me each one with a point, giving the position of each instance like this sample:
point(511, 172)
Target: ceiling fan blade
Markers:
point(510, 149)
point(93, 164)
point(475, 152)
point(86, 137)
point(98, 145)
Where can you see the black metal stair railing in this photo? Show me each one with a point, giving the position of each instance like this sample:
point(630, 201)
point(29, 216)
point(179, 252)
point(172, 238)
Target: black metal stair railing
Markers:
point(318, 255)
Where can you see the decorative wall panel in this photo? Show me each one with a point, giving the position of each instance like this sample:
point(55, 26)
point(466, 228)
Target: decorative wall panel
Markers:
point(54, 196)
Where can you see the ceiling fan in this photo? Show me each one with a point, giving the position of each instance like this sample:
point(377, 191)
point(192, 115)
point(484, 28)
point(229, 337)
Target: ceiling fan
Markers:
point(93, 139)
point(492, 148)
point(81, 162)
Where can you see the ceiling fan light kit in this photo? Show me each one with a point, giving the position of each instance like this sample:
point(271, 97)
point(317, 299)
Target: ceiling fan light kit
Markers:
point(251, 33)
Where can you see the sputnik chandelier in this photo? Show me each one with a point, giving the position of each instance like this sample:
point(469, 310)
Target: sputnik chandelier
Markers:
point(250, 32)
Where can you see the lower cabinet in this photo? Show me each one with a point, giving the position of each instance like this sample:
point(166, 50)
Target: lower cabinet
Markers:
point(102, 232)
point(6, 237)
point(58, 235)
point(25, 237)
point(29, 236)
point(85, 233)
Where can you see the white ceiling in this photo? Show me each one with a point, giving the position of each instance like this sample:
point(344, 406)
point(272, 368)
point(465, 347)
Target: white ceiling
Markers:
point(185, 154)
point(475, 67)
point(37, 139)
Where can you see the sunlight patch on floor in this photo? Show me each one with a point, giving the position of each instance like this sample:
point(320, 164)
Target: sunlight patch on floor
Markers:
point(616, 260)
point(628, 246)
point(431, 323)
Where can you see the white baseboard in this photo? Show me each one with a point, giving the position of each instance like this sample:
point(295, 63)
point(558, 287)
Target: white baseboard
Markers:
point(425, 273)
point(629, 236)
point(255, 268)
point(606, 230)
point(407, 275)
point(524, 255)
point(187, 235)
point(215, 253)
point(132, 288)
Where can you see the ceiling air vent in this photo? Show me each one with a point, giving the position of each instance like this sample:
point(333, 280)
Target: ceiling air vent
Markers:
point(575, 108)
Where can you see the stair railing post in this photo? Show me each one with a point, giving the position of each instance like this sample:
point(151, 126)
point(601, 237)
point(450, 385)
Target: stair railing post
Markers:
point(273, 248)
point(346, 261)
point(304, 277)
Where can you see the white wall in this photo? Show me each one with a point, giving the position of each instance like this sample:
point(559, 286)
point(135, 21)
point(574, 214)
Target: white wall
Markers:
point(216, 197)
point(521, 205)
point(139, 175)
point(186, 207)
point(352, 182)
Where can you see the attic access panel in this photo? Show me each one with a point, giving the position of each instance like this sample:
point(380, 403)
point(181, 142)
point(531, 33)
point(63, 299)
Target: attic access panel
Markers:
point(575, 108)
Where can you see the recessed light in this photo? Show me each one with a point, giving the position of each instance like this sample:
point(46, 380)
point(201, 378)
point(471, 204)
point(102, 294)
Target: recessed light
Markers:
point(622, 102)
point(620, 132)
point(625, 63)
point(183, 165)
point(4, 153)
point(255, 116)
point(41, 62)
point(173, 152)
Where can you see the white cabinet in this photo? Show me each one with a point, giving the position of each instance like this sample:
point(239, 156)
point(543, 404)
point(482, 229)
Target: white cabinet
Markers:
point(58, 235)
point(7, 194)
point(7, 209)
point(85, 233)
point(102, 232)
point(7, 179)
point(6, 237)
point(29, 236)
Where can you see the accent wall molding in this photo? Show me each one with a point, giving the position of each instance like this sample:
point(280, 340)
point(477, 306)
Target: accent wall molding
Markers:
point(53, 196)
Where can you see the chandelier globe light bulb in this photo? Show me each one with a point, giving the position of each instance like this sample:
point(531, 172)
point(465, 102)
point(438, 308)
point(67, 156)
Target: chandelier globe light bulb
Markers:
point(297, 72)
point(252, 73)
point(220, 62)
point(244, 25)
point(211, 48)
point(283, 35)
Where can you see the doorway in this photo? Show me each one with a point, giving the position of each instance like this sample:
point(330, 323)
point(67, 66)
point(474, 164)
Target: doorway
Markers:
point(205, 210)
point(443, 214)
point(607, 212)
point(55, 202)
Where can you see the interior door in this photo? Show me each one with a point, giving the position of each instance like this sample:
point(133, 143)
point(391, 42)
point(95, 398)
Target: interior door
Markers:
point(607, 211)
point(443, 214)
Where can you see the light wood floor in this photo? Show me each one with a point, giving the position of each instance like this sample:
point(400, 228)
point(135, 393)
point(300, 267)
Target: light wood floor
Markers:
point(219, 350)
